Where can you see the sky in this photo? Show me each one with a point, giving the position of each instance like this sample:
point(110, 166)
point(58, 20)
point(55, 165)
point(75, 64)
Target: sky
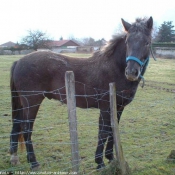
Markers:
point(77, 18)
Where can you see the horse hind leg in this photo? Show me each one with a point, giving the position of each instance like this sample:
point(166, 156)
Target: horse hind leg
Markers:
point(31, 105)
point(27, 132)
point(14, 136)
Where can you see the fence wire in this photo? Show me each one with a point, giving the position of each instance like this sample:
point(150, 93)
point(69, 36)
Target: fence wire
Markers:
point(146, 129)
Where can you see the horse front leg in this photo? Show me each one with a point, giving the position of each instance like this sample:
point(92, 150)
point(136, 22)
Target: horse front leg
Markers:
point(104, 132)
point(109, 147)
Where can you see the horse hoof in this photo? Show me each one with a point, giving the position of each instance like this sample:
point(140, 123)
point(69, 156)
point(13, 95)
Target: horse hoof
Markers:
point(110, 160)
point(14, 160)
point(35, 167)
point(100, 166)
point(110, 157)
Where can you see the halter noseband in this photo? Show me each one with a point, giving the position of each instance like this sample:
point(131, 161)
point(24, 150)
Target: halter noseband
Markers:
point(138, 61)
point(141, 63)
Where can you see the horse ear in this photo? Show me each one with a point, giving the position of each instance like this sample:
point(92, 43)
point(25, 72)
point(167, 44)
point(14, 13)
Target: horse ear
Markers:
point(126, 25)
point(150, 23)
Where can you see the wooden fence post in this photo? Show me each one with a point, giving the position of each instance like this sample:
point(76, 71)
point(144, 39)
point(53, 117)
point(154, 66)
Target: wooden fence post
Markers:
point(71, 107)
point(115, 128)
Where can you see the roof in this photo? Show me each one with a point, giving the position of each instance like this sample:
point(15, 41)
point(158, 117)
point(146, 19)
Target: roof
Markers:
point(62, 43)
point(8, 44)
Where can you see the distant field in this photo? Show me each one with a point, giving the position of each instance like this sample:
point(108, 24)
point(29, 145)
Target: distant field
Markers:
point(147, 126)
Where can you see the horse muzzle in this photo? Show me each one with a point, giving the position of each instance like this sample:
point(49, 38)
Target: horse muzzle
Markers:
point(132, 74)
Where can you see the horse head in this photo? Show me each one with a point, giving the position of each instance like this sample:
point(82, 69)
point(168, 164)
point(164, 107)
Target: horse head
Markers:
point(138, 40)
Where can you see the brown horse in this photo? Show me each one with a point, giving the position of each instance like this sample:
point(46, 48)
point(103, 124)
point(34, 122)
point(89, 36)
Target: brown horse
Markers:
point(123, 60)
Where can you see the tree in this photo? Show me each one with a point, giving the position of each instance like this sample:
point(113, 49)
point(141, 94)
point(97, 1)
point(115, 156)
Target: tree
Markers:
point(92, 42)
point(166, 32)
point(88, 41)
point(16, 47)
point(36, 39)
point(155, 32)
point(119, 29)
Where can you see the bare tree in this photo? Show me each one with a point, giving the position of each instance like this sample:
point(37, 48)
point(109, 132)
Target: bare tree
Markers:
point(119, 29)
point(88, 41)
point(92, 42)
point(36, 39)
point(154, 32)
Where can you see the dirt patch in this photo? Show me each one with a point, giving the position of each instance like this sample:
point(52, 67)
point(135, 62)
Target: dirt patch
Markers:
point(161, 86)
point(114, 169)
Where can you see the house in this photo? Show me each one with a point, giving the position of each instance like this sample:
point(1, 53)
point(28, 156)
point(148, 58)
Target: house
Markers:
point(10, 48)
point(62, 46)
point(8, 45)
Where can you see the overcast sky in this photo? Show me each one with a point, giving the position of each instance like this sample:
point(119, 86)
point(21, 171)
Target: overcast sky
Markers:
point(78, 18)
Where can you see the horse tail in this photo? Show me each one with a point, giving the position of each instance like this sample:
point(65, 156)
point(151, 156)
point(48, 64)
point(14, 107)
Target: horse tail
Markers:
point(16, 105)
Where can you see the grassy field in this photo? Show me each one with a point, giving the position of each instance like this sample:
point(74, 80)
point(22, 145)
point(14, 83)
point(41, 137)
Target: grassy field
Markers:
point(147, 127)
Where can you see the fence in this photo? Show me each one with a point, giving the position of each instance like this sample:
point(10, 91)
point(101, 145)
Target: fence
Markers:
point(9, 52)
point(71, 103)
point(147, 134)
point(164, 50)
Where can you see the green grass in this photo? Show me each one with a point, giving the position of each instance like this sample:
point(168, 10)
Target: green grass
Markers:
point(147, 127)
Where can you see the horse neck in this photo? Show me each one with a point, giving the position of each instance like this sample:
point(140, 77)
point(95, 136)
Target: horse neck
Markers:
point(119, 55)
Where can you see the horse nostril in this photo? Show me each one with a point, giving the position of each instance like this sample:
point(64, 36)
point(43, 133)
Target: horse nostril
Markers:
point(126, 72)
point(136, 72)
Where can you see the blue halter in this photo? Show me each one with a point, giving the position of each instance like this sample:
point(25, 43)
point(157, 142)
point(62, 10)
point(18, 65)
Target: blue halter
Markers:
point(141, 63)
point(138, 61)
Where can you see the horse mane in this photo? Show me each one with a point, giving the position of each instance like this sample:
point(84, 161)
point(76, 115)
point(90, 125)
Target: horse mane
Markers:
point(108, 49)
point(140, 25)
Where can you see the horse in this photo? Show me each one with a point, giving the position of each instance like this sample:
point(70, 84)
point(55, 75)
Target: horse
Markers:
point(123, 60)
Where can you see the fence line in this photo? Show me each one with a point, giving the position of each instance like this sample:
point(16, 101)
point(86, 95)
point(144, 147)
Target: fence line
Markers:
point(142, 114)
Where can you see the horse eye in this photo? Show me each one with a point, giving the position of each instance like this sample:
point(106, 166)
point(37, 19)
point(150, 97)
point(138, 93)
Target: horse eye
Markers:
point(147, 44)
